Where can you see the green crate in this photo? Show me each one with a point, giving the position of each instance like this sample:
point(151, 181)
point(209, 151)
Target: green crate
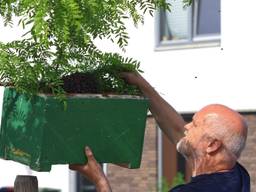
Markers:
point(39, 131)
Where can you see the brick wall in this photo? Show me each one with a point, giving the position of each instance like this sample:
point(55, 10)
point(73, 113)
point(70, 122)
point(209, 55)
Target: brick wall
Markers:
point(248, 156)
point(143, 179)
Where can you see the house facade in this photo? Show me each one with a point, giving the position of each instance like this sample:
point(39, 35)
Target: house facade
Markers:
point(193, 57)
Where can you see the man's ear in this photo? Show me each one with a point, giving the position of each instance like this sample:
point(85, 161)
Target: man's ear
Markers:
point(213, 146)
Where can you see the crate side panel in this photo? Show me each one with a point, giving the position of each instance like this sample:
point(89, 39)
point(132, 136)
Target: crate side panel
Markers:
point(113, 128)
point(22, 126)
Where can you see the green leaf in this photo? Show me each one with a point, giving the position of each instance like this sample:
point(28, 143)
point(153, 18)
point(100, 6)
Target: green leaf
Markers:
point(59, 40)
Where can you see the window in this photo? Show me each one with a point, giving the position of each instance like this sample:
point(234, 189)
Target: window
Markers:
point(196, 25)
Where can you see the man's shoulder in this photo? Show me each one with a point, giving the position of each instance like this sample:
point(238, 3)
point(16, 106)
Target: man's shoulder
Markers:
point(186, 188)
point(198, 186)
point(200, 183)
point(236, 179)
point(179, 188)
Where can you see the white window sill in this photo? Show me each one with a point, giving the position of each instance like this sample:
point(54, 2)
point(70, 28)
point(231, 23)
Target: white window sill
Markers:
point(168, 45)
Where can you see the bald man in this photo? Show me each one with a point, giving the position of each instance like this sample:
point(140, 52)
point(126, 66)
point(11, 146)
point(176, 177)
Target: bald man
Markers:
point(211, 143)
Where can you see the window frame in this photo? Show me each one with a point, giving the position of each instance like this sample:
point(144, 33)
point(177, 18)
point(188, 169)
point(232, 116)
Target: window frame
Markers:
point(193, 41)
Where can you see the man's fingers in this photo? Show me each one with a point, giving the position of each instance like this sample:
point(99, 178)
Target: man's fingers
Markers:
point(79, 167)
point(123, 74)
point(76, 167)
point(127, 74)
point(124, 165)
point(72, 167)
point(89, 154)
point(90, 157)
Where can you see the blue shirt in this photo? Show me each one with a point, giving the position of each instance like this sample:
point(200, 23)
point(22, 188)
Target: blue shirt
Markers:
point(235, 180)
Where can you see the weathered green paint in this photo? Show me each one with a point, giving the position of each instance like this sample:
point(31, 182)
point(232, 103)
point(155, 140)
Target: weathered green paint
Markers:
point(39, 132)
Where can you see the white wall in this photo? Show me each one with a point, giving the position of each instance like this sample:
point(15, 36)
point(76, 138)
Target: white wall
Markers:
point(226, 77)
point(58, 178)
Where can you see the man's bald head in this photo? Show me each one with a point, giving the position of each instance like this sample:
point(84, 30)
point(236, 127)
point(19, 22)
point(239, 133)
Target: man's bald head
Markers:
point(226, 125)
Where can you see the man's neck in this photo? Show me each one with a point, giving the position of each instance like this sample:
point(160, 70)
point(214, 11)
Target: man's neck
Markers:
point(210, 165)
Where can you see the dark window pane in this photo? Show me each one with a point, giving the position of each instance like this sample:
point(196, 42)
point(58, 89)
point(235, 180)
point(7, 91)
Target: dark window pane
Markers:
point(208, 17)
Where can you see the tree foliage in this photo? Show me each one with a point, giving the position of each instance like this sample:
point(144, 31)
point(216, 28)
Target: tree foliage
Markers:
point(60, 35)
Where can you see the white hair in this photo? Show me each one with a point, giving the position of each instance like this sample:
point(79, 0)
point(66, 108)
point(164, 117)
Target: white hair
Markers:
point(233, 142)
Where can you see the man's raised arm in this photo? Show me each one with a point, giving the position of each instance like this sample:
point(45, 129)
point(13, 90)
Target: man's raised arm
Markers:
point(171, 123)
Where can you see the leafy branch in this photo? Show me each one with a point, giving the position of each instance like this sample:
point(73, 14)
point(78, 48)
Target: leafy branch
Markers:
point(59, 40)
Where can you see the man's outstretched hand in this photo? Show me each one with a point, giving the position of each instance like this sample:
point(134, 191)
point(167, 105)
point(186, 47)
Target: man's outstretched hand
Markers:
point(133, 78)
point(93, 172)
